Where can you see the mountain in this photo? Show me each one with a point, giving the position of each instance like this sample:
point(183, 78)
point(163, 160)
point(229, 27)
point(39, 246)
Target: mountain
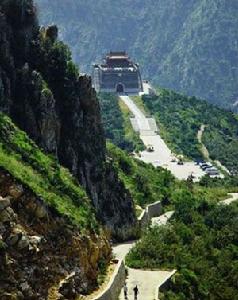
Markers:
point(188, 46)
point(48, 227)
point(44, 94)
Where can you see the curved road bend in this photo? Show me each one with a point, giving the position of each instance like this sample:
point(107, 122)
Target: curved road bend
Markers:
point(147, 281)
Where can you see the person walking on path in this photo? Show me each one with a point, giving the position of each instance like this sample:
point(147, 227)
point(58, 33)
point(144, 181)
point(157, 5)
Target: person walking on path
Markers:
point(125, 291)
point(136, 292)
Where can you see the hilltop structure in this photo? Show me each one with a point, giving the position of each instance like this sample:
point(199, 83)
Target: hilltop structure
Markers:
point(117, 74)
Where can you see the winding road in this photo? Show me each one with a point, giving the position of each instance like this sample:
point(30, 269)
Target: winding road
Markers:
point(146, 280)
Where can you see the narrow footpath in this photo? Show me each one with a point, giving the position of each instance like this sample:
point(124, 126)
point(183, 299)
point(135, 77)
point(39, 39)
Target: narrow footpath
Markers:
point(146, 280)
point(205, 151)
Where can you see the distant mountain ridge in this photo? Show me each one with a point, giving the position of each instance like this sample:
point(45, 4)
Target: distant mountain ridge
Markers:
point(189, 46)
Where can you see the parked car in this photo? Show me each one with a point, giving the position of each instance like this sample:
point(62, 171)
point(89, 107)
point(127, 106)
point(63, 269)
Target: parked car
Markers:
point(199, 162)
point(150, 148)
point(180, 162)
point(205, 166)
point(213, 172)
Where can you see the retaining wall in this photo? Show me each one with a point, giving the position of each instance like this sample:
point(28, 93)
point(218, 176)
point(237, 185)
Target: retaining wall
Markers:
point(165, 285)
point(151, 211)
point(115, 285)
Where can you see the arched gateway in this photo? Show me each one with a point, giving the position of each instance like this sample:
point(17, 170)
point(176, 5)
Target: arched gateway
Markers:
point(120, 88)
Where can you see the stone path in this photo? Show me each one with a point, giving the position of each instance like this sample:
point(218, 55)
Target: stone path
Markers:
point(146, 280)
point(162, 155)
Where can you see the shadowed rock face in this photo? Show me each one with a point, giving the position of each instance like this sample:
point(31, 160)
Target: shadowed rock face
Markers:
point(42, 92)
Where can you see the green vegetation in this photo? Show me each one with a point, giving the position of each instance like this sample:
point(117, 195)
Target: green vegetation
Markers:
point(201, 244)
point(189, 46)
point(148, 184)
point(180, 119)
point(139, 102)
point(145, 183)
point(117, 125)
point(43, 175)
point(130, 134)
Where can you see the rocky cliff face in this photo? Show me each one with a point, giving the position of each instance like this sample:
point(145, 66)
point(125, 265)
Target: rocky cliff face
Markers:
point(41, 254)
point(41, 90)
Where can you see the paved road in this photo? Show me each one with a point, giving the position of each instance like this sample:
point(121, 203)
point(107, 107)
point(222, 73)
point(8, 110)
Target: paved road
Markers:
point(147, 281)
point(142, 121)
point(162, 155)
point(120, 251)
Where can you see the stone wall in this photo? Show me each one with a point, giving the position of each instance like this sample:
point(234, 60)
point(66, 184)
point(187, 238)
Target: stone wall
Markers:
point(164, 286)
point(113, 289)
point(151, 211)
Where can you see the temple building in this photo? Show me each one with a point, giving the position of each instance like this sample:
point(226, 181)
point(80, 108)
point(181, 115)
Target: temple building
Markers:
point(117, 74)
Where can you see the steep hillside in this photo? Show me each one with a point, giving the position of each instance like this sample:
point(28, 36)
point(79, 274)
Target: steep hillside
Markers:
point(117, 125)
point(189, 46)
point(181, 118)
point(43, 92)
point(48, 229)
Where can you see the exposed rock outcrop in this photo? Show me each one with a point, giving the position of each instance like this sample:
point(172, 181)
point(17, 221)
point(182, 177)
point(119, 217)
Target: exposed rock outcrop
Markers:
point(41, 90)
point(41, 254)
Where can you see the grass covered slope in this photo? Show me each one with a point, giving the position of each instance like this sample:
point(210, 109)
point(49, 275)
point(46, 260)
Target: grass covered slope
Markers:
point(201, 243)
point(43, 175)
point(148, 184)
point(117, 125)
point(145, 183)
point(180, 119)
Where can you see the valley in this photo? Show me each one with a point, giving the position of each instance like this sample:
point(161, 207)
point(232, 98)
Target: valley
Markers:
point(186, 46)
point(97, 188)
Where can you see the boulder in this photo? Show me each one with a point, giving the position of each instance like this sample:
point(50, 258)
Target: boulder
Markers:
point(16, 191)
point(13, 239)
point(23, 243)
point(5, 216)
point(4, 203)
point(41, 212)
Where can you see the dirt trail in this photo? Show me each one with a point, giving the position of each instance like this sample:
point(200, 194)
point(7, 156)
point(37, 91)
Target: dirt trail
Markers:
point(204, 150)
